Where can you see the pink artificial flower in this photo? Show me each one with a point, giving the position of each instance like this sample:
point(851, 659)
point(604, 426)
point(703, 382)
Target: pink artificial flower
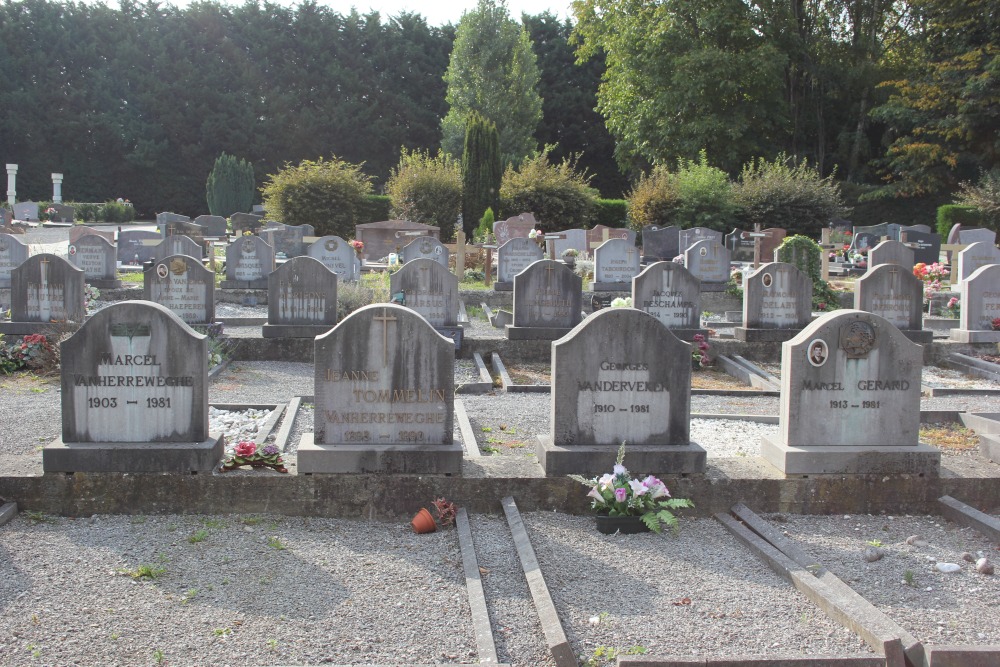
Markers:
point(595, 494)
point(952, 301)
point(619, 469)
point(620, 495)
point(606, 482)
point(245, 449)
point(657, 489)
point(638, 487)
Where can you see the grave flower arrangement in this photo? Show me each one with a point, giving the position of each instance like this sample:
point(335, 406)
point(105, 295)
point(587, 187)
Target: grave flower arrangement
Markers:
point(954, 309)
point(246, 453)
point(538, 236)
point(359, 246)
point(935, 272)
point(995, 324)
point(617, 494)
point(699, 355)
point(619, 302)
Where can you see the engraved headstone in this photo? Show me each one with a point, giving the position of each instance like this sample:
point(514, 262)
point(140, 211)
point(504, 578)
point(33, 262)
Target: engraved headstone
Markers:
point(660, 243)
point(429, 289)
point(387, 236)
point(890, 252)
point(44, 288)
point(137, 246)
point(301, 299)
point(249, 260)
point(926, 246)
point(79, 231)
point(514, 256)
point(923, 229)
point(287, 240)
point(777, 303)
point(866, 238)
point(337, 255)
point(895, 294)
point(850, 400)
point(165, 218)
point(974, 257)
point(96, 256)
point(980, 298)
point(425, 247)
point(183, 285)
point(971, 235)
point(26, 210)
point(178, 245)
point(245, 222)
point(548, 298)
point(637, 390)
point(616, 262)
point(668, 292)
point(740, 245)
point(12, 253)
point(214, 225)
point(574, 238)
point(62, 213)
point(134, 396)
point(598, 234)
point(708, 261)
point(688, 237)
point(516, 227)
point(384, 396)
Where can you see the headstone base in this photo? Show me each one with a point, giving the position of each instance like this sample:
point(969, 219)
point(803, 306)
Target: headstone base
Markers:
point(714, 287)
point(534, 333)
point(104, 284)
point(25, 328)
point(919, 336)
point(369, 458)
point(989, 446)
point(294, 330)
point(173, 457)
point(591, 460)
point(689, 334)
point(260, 283)
point(920, 459)
point(975, 336)
point(611, 287)
point(503, 287)
point(764, 335)
point(502, 318)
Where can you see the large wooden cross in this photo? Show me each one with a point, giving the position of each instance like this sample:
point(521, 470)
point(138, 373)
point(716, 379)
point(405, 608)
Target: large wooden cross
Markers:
point(757, 235)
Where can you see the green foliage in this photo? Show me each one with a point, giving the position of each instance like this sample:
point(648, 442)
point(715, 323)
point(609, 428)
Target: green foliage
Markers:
point(115, 212)
point(481, 170)
point(230, 186)
point(611, 213)
point(375, 208)
point(372, 288)
point(806, 254)
point(950, 215)
point(427, 188)
point(485, 228)
point(492, 71)
point(869, 206)
point(327, 194)
point(556, 194)
point(653, 199)
point(695, 195)
point(784, 194)
point(984, 195)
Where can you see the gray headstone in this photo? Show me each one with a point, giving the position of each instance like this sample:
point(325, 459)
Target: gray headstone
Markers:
point(708, 261)
point(95, 256)
point(26, 210)
point(870, 236)
point(515, 256)
point(12, 253)
point(214, 225)
point(688, 237)
point(46, 288)
point(668, 292)
point(429, 289)
point(923, 229)
point(388, 236)
point(976, 235)
point(616, 262)
point(547, 295)
point(425, 247)
point(974, 257)
point(136, 246)
point(245, 222)
point(288, 240)
point(516, 227)
point(258, 209)
point(384, 396)
point(178, 245)
point(181, 228)
point(165, 218)
point(891, 292)
point(777, 296)
point(575, 239)
point(302, 291)
point(890, 252)
point(926, 246)
point(79, 231)
point(636, 390)
point(183, 285)
point(273, 224)
point(249, 259)
point(980, 298)
point(62, 213)
point(337, 255)
point(660, 243)
point(598, 234)
point(850, 400)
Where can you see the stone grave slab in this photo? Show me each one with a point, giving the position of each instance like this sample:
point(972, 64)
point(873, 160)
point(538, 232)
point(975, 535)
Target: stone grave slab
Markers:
point(548, 298)
point(183, 285)
point(516, 227)
point(850, 401)
point(926, 246)
point(616, 262)
point(891, 252)
point(137, 246)
point(44, 289)
point(12, 253)
point(970, 260)
point(62, 213)
point(598, 234)
point(178, 245)
point(895, 294)
point(287, 240)
point(668, 292)
point(245, 222)
point(688, 237)
point(26, 210)
point(429, 289)
point(708, 261)
point(214, 225)
point(249, 260)
point(575, 239)
point(76, 232)
point(301, 299)
point(337, 255)
point(425, 247)
point(777, 303)
point(980, 298)
point(660, 244)
point(608, 388)
point(98, 259)
point(515, 256)
point(134, 396)
point(384, 396)
point(388, 236)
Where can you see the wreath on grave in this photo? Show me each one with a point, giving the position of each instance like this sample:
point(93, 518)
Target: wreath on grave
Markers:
point(246, 454)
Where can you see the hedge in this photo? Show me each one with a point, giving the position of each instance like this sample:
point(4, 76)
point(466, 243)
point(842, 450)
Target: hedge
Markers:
point(950, 215)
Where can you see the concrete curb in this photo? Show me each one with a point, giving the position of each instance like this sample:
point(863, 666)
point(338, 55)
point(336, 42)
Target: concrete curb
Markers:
point(281, 440)
point(500, 369)
point(485, 642)
point(770, 661)
point(7, 512)
point(959, 512)
point(468, 435)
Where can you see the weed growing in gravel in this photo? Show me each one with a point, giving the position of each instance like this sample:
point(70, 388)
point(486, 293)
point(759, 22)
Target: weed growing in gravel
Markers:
point(275, 543)
point(490, 449)
point(908, 577)
point(114, 636)
point(189, 595)
point(213, 523)
point(487, 429)
point(875, 543)
point(39, 517)
point(198, 536)
point(146, 572)
point(272, 644)
point(251, 520)
point(158, 656)
point(35, 651)
point(222, 632)
point(607, 655)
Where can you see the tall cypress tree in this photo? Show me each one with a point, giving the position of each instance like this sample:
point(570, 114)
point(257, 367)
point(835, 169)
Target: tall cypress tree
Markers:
point(230, 186)
point(482, 171)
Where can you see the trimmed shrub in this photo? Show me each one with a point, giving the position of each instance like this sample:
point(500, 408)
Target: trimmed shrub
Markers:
point(558, 195)
point(984, 196)
point(950, 215)
point(653, 199)
point(611, 213)
point(114, 211)
point(428, 189)
point(482, 170)
point(485, 227)
point(695, 195)
point(806, 254)
point(375, 208)
point(327, 194)
point(230, 185)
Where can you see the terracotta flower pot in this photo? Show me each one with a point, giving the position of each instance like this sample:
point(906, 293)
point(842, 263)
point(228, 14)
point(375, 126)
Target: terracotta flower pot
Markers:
point(423, 522)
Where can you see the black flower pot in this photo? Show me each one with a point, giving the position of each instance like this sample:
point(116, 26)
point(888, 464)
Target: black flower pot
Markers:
point(626, 525)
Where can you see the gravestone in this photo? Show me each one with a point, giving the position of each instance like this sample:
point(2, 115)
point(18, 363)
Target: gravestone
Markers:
point(923, 229)
point(598, 234)
point(249, 260)
point(708, 261)
point(183, 285)
point(44, 288)
point(77, 232)
point(96, 256)
point(62, 213)
point(516, 227)
point(301, 299)
point(337, 255)
point(134, 396)
point(245, 222)
point(382, 238)
point(384, 396)
point(741, 244)
point(866, 238)
point(636, 390)
point(893, 293)
point(137, 246)
point(574, 238)
point(178, 245)
point(980, 298)
point(429, 289)
point(660, 244)
point(967, 236)
point(165, 218)
point(891, 252)
point(258, 209)
point(515, 256)
point(425, 248)
point(288, 240)
point(548, 298)
point(850, 400)
point(688, 237)
point(668, 292)
point(616, 262)
point(273, 224)
point(182, 228)
point(926, 246)
point(777, 303)
point(26, 210)
point(970, 260)
point(12, 253)
point(6, 217)
point(214, 225)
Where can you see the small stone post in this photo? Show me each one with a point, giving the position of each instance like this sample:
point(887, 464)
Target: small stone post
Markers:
point(57, 180)
point(11, 184)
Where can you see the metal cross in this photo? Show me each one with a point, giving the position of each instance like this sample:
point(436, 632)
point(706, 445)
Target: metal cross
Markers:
point(384, 319)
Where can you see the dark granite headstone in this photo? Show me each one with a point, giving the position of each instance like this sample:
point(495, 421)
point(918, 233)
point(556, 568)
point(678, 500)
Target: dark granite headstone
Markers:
point(97, 258)
point(740, 246)
point(214, 225)
point(301, 299)
point(245, 222)
point(688, 237)
point(598, 234)
point(288, 240)
point(513, 257)
point(425, 247)
point(181, 228)
point(183, 285)
point(165, 218)
point(668, 292)
point(777, 303)
point(870, 236)
point(249, 260)
point(708, 261)
point(62, 213)
point(926, 246)
point(660, 243)
point(45, 288)
point(894, 293)
point(548, 298)
point(337, 255)
point(429, 289)
point(12, 253)
point(616, 262)
point(388, 236)
point(137, 246)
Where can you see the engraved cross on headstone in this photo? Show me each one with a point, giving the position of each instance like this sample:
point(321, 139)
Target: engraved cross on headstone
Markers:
point(384, 319)
point(548, 272)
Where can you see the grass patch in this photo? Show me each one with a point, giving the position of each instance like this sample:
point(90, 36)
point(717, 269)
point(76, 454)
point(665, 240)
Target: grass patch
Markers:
point(473, 286)
point(198, 536)
point(953, 436)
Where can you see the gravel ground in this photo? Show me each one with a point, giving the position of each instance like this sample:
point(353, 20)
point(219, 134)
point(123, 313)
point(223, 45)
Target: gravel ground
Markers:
point(946, 377)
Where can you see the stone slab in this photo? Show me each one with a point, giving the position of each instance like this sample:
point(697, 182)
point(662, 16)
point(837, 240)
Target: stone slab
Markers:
point(383, 459)
point(533, 333)
point(989, 447)
point(964, 336)
point(294, 330)
point(963, 656)
point(764, 335)
point(130, 457)
point(592, 460)
point(922, 459)
point(959, 512)
point(503, 287)
point(486, 650)
point(919, 336)
point(7, 512)
point(260, 284)
point(764, 661)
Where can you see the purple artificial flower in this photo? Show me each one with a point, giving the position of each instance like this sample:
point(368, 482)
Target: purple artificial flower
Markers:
point(620, 470)
point(269, 450)
point(621, 494)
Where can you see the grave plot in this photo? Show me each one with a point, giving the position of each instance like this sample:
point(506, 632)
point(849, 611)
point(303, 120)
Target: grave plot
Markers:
point(727, 438)
point(508, 429)
point(953, 439)
point(937, 381)
point(716, 378)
